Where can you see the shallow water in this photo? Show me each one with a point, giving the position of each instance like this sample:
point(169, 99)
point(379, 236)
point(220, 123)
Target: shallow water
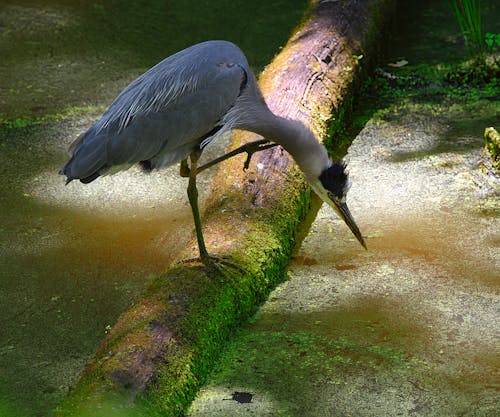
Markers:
point(405, 328)
point(67, 272)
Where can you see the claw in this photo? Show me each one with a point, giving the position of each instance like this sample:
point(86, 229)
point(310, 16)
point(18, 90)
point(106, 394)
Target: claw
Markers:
point(211, 263)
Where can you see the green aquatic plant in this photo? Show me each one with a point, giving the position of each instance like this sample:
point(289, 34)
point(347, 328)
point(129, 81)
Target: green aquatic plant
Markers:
point(468, 13)
point(492, 40)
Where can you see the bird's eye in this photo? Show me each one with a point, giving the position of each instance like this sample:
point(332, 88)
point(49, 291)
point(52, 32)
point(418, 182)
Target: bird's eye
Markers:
point(335, 181)
point(337, 200)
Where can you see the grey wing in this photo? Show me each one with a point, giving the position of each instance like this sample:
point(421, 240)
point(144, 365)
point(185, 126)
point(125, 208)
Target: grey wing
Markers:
point(161, 116)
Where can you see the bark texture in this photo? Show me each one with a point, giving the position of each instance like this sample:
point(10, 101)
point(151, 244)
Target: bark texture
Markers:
point(159, 352)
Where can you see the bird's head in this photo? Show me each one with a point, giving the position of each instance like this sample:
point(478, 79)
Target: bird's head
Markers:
point(332, 186)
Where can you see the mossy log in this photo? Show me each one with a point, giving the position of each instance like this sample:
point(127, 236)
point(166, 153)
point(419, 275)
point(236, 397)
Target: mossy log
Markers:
point(492, 139)
point(155, 357)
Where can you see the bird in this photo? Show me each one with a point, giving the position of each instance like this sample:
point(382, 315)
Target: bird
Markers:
point(170, 113)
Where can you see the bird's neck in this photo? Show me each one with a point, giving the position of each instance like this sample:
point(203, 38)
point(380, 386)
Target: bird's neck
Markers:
point(298, 141)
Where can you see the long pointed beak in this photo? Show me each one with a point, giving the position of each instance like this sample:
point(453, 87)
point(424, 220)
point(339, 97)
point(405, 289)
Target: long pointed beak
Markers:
point(344, 213)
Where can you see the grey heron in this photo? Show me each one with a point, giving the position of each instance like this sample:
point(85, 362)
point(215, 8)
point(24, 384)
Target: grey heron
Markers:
point(172, 111)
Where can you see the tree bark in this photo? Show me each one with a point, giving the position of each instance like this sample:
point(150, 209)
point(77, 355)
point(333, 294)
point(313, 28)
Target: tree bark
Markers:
point(159, 352)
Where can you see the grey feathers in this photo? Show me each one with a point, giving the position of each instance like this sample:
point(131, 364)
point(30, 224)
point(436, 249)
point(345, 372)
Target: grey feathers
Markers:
point(181, 74)
point(165, 113)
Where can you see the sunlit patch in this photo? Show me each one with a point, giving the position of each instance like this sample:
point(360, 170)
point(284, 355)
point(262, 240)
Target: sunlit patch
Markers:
point(123, 191)
point(22, 19)
point(232, 401)
point(132, 191)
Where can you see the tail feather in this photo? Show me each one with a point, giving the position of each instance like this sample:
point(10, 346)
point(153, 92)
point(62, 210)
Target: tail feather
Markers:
point(88, 158)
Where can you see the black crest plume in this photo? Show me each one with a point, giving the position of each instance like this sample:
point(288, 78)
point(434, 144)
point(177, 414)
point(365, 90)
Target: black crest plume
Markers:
point(335, 179)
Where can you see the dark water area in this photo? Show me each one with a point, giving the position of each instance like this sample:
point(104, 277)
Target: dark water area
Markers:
point(73, 258)
point(62, 53)
point(435, 37)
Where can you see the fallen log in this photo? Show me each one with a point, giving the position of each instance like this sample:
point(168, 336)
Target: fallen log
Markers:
point(492, 147)
point(159, 352)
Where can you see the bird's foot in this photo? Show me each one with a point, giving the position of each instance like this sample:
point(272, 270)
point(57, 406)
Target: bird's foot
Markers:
point(213, 263)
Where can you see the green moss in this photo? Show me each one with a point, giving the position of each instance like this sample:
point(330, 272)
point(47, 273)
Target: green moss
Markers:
point(339, 135)
point(492, 146)
point(22, 122)
point(345, 122)
point(448, 87)
point(438, 76)
point(225, 305)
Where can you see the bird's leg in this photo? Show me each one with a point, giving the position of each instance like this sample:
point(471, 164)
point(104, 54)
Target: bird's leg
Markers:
point(209, 261)
point(250, 148)
point(192, 193)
